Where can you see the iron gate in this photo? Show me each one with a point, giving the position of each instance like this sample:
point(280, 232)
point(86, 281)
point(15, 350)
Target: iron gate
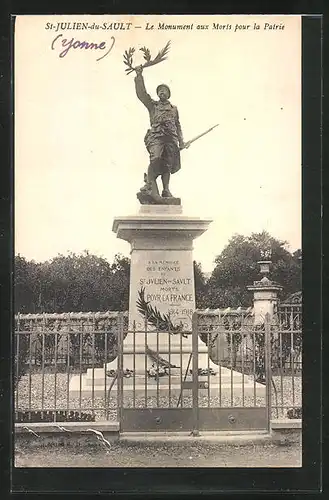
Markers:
point(214, 377)
point(66, 367)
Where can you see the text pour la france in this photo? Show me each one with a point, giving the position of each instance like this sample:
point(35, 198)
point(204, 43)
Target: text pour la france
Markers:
point(169, 297)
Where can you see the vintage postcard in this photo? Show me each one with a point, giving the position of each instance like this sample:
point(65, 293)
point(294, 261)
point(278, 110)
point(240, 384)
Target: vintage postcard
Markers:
point(158, 255)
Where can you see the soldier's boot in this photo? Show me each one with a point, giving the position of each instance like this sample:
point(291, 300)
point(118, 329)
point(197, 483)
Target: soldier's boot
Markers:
point(166, 194)
point(165, 177)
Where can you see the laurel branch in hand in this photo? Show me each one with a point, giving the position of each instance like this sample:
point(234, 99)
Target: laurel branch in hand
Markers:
point(128, 58)
point(161, 56)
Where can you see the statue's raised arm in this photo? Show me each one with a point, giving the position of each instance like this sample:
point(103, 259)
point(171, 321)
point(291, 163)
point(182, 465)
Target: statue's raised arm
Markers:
point(141, 92)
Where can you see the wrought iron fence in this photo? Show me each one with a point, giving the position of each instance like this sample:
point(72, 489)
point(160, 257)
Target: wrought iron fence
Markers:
point(239, 344)
point(67, 365)
point(286, 361)
point(49, 350)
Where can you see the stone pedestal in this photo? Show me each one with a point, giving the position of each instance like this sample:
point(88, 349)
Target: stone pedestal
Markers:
point(161, 240)
point(162, 279)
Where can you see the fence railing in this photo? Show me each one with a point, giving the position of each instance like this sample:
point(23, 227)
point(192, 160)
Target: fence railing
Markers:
point(51, 349)
point(286, 361)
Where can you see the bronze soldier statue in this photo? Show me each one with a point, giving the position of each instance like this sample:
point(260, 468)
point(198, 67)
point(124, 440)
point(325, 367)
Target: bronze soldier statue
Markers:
point(163, 140)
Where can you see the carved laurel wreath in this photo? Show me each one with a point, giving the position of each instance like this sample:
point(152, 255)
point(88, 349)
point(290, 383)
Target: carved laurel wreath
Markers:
point(153, 316)
point(128, 57)
point(160, 362)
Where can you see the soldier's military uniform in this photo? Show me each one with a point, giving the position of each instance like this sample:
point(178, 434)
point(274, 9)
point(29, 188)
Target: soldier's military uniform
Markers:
point(164, 138)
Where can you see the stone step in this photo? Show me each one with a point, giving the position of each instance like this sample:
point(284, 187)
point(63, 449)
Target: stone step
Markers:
point(226, 377)
point(137, 362)
point(224, 373)
point(226, 389)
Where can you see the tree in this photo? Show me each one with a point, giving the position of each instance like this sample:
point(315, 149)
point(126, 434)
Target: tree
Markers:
point(120, 279)
point(27, 282)
point(200, 283)
point(72, 283)
point(237, 267)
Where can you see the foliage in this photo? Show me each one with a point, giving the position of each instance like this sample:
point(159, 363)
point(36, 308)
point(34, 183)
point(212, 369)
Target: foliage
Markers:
point(160, 57)
point(21, 350)
point(237, 267)
point(128, 58)
point(287, 347)
point(71, 283)
point(53, 416)
point(27, 282)
point(295, 413)
point(244, 343)
point(200, 283)
point(85, 282)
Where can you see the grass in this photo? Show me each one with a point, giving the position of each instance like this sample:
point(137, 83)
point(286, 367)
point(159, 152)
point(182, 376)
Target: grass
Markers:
point(194, 454)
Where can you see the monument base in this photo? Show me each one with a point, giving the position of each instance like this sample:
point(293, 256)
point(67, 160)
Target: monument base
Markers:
point(162, 297)
point(176, 352)
point(226, 386)
point(145, 198)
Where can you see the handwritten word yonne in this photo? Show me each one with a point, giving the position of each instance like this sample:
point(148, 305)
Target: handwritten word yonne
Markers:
point(76, 44)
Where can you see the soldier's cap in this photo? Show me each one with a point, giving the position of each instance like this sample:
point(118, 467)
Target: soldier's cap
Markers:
point(165, 86)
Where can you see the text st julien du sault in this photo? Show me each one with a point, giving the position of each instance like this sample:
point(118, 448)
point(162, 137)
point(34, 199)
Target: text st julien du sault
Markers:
point(64, 45)
point(118, 26)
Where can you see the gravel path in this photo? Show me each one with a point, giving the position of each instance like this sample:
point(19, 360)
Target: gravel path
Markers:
point(43, 396)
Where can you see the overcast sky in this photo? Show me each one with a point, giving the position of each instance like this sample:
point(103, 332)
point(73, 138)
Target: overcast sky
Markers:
point(79, 129)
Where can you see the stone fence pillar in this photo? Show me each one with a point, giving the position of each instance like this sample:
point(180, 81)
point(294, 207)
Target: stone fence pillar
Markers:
point(265, 293)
